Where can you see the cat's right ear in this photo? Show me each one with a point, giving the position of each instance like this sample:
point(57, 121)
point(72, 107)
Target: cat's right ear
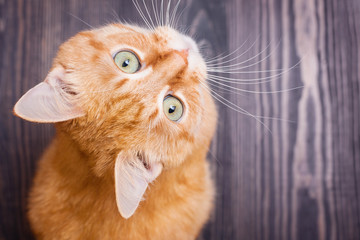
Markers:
point(50, 101)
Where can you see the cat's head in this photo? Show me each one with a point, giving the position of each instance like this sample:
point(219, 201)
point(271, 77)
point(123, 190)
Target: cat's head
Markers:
point(132, 99)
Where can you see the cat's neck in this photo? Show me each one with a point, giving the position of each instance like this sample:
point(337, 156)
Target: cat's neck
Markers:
point(73, 163)
point(70, 162)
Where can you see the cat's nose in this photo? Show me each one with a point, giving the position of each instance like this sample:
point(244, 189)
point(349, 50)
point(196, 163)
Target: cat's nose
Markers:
point(184, 54)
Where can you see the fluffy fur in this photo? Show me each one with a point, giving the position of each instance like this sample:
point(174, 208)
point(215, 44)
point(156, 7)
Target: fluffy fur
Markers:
point(117, 114)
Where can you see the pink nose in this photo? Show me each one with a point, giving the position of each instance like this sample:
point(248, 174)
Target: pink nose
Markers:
point(184, 54)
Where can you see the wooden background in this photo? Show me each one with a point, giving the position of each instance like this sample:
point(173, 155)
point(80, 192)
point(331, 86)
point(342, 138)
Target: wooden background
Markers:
point(296, 176)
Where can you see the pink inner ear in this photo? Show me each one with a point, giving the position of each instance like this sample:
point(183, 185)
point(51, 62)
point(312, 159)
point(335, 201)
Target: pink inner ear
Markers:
point(131, 182)
point(48, 102)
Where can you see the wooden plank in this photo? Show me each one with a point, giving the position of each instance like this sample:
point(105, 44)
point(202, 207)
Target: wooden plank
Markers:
point(291, 172)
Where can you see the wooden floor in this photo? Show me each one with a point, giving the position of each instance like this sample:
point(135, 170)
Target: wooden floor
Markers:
point(288, 169)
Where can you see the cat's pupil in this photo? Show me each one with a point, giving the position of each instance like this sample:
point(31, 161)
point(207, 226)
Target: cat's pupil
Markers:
point(126, 63)
point(172, 109)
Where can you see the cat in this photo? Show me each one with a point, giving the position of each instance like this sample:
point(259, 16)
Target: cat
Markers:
point(134, 120)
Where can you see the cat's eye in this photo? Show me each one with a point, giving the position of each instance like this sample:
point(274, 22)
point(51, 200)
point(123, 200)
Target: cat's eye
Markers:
point(127, 61)
point(173, 108)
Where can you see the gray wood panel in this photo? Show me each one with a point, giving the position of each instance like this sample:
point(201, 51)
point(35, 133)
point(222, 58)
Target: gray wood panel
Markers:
point(290, 169)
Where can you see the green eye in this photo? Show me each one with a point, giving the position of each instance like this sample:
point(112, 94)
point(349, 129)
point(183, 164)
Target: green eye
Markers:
point(173, 108)
point(127, 61)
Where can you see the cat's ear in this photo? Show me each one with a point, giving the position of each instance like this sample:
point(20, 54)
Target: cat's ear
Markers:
point(50, 101)
point(131, 181)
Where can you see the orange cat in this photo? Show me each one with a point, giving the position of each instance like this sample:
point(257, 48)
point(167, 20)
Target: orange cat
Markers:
point(134, 123)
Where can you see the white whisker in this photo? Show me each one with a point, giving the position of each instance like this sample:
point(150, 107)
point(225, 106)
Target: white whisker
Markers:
point(87, 24)
point(162, 12)
point(218, 58)
point(215, 65)
point(249, 59)
point(237, 93)
point(223, 100)
point(246, 72)
point(211, 59)
point(138, 8)
point(155, 11)
point(251, 91)
point(256, 80)
point(173, 15)
point(148, 13)
point(115, 15)
point(225, 89)
point(179, 16)
point(168, 13)
point(232, 105)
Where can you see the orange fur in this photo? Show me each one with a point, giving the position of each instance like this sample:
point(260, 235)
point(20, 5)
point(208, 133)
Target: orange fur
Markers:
point(73, 194)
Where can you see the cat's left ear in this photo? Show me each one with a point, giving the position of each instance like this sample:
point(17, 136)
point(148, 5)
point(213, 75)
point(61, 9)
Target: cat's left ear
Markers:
point(50, 101)
point(131, 181)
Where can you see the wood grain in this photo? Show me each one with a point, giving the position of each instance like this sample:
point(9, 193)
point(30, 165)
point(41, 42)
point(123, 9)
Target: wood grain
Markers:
point(291, 172)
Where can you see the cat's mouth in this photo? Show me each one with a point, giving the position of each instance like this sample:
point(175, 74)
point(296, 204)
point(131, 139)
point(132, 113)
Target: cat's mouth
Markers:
point(141, 157)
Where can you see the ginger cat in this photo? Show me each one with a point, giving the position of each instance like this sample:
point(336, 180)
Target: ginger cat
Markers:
point(134, 123)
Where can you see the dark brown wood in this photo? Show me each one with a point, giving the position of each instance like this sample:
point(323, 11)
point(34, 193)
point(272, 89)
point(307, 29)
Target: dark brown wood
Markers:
point(295, 175)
